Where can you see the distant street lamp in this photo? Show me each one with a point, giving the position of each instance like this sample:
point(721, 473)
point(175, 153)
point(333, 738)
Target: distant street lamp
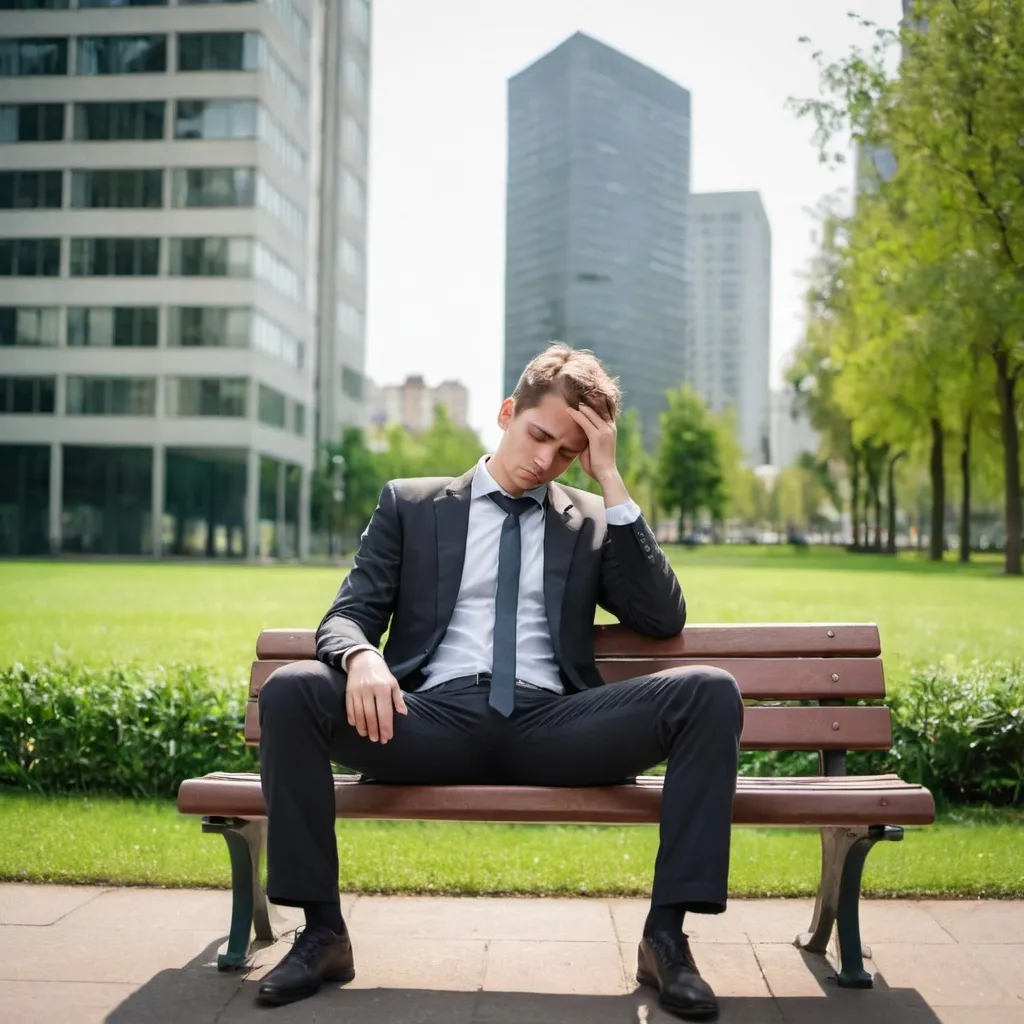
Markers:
point(337, 502)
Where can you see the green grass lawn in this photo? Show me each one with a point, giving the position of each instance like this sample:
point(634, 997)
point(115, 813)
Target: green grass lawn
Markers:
point(967, 853)
point(98, 612)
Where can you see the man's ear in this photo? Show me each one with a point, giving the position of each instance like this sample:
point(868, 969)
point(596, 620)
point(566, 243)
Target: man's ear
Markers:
point(506, 413)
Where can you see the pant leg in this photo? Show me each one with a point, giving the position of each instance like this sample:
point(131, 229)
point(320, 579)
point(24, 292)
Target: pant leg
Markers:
point(691, 716)
point(303, 728)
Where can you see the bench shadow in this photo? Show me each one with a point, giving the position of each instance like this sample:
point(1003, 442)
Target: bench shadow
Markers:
point(200, 994)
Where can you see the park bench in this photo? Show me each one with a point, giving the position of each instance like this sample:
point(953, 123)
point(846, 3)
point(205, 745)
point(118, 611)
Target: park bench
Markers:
point(804, 686)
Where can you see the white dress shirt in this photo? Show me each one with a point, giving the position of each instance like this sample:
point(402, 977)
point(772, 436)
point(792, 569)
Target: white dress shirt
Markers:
point(468, 644)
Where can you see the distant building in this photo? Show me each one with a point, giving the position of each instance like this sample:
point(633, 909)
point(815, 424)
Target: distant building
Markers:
point(728, 365)
point(412, 404)
point(791, 433)
point(596, 218)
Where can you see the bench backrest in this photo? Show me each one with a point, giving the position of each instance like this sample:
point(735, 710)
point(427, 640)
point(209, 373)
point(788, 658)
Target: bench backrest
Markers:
point(822, 666)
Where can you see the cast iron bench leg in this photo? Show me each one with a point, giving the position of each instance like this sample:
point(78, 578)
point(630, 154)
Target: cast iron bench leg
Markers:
point(246, 839)
point(843, 852)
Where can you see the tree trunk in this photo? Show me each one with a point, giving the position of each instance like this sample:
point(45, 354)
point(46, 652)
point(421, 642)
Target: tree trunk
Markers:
point(1006, 384)
point(965, 483)
point(937, 541)
point(890, 543)
point(855, 498)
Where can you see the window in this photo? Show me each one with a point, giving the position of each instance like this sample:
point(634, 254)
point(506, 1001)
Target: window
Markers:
point(271, 268)
point(350, 320)
point(128, 188)
point(273, 340)
point(299, 419)
point(35, 5)
point(359, 18)
point(215, 119)
point(111, 396)
point(285, 81)
point(283, 209)
point(353, 140)
point(31, 190)
point(42, 56)
point(209, 327)
point(28, 326)
point(207, 396)
point(29, 257)
point(120, 326)
point(27, 395)
point(115, 257)
point(280, 142)
point(102, 122)
point(353, 195)
point(354, 79)
point(219, 51)
point(212, 186)
point(352, 383)
point(271, 406)
point(211, 257)
point(32, 122)
point(351, 259)
point(122, 55)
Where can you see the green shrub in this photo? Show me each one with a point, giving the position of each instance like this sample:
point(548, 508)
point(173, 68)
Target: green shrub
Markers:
point(125, 730)
point(135, 732)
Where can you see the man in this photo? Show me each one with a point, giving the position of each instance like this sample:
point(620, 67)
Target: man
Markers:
point(490, 584)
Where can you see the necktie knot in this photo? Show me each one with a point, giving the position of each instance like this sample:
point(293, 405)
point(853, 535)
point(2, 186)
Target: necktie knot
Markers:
point(513, 506)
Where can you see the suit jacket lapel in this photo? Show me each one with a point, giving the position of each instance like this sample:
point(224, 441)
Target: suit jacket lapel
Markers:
point(561, 531)
point(451, 512)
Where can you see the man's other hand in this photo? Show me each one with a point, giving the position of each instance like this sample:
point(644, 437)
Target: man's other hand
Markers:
point(372, 694)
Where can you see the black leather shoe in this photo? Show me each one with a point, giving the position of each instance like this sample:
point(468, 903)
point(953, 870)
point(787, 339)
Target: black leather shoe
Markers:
point(664, 962)
point(317, 956)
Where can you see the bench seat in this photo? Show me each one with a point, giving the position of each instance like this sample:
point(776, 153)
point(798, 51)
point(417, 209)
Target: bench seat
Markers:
point(814, 801)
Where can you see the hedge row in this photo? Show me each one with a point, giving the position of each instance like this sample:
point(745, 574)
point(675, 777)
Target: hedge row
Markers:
point(139, 732)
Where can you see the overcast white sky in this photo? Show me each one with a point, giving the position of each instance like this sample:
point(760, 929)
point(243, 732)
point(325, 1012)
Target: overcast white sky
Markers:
point(438, 148)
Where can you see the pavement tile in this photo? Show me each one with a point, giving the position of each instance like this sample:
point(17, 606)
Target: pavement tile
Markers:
point(793, 974)
point(771, 920)
point(572, 968)
point(1006, 963)
point(969, 1015)
point(126, 954)
point(731, 969)
point(21, 903)
point(888, 921)
point(946, 976)
point(348, 1005)
point(629, 917)
point(58, 1002)
point(972, 921)
point(570, 920)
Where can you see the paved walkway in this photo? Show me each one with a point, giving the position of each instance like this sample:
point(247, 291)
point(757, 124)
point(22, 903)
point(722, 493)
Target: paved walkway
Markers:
point(70, 955)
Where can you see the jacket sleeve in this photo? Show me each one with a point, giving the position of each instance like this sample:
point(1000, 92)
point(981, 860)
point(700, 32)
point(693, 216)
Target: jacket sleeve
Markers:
point(366, 599)
point(638, 584)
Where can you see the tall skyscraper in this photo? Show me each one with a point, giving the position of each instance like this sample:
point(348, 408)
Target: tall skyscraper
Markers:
point(729, 364)
point(182, 209)
point(596, 229)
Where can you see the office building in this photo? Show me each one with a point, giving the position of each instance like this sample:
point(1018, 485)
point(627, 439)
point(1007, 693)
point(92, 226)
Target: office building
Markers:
point(412, 403)
point(791, 434)
point(729, 364)
point(596, 218)
point(182, 210)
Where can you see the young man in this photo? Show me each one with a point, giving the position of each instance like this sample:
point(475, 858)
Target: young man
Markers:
point(490, 584)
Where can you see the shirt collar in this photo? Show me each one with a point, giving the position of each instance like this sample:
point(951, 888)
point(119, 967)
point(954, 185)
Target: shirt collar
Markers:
point(484, 484)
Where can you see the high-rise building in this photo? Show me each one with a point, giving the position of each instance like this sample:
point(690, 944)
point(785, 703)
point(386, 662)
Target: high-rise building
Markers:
point(182, 211)
point(729, 363)
point(412, 403)
point(596, 228)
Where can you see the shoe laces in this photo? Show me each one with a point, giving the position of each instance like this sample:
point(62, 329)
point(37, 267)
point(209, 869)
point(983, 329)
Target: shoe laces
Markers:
point(674, 949)
point(309, 944)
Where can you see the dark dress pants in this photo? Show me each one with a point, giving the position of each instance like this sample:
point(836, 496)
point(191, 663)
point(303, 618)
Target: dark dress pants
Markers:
point(691, 716)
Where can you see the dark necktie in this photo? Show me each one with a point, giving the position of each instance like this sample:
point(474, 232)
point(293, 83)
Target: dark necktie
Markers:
point(506, 603)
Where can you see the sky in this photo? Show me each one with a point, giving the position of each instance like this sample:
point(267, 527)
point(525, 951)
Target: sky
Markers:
point(436, 246)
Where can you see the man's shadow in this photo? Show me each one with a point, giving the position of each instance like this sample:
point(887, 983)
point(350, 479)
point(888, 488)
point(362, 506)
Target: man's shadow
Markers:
point(200, 994)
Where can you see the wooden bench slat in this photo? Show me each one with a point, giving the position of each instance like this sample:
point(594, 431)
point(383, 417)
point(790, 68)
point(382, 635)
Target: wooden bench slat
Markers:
point(767, 728)
point(759, 678)
point(774, 640)
point(804, 802)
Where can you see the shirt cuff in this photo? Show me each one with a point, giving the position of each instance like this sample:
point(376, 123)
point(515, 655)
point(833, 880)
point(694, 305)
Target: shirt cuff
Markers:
point(622, 515)
point(355, 650)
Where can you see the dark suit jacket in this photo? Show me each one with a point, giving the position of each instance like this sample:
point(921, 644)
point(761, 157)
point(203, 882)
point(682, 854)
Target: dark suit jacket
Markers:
point(409, 567)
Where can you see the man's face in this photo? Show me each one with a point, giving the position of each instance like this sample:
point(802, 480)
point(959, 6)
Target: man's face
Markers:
point(539, 444)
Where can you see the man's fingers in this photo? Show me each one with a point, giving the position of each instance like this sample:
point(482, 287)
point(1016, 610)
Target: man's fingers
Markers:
point(358, 717)
point(396, 693)
point(370, 714)
point(348, 707)
point(385, 719)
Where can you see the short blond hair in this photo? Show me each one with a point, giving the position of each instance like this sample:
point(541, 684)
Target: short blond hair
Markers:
point(575, 374)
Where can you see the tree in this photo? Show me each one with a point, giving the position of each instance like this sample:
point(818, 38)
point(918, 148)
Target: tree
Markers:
point(738, 480)
point(690, 479)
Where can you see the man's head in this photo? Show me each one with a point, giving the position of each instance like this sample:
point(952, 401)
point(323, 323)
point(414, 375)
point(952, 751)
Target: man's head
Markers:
point(541, 439)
